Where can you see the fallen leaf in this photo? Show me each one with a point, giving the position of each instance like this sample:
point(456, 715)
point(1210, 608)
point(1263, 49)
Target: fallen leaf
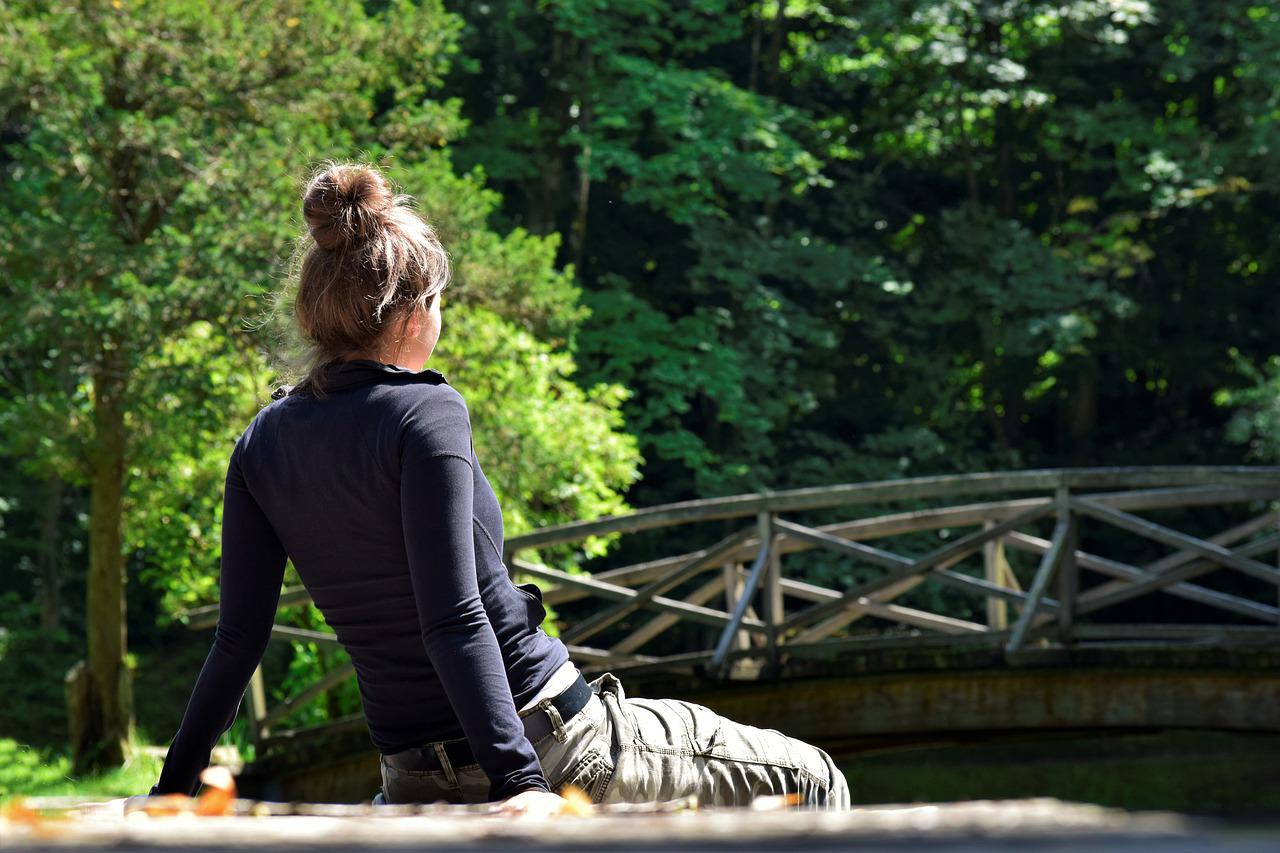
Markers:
point(577, 803)
point(18, 812)
point(219, 792)
point(775, 803)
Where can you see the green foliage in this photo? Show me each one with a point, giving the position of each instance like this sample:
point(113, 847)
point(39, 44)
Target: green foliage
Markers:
point(32, 663)
point(309, 662)
point(826, 242)
point(679, 361)
point(1256, 422)
point(511, 274)
point(174, 496)
point(31, 772)
point(26, 769)
point(709, 144)
point(555, 451)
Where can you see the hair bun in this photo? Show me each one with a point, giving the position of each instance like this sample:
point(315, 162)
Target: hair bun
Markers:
point(345, 205)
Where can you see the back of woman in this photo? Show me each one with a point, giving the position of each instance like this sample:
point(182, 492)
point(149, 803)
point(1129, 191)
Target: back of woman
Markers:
point(326, 471)
point(364, 475)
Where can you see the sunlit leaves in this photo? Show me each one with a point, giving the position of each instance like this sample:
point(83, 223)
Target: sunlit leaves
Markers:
point(554, 451)
point(1256, 422)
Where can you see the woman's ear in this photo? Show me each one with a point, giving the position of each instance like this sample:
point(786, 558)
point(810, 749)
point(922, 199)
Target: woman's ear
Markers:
point(413, 326)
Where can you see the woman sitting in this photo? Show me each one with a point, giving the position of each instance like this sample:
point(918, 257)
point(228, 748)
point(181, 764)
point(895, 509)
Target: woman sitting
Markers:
point(364, 476)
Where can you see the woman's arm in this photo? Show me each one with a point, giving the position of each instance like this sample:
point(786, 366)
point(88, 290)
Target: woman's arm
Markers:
point(436, 498)
point(252, 569)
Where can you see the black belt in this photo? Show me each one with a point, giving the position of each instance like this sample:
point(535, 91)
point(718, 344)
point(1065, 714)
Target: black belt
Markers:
point(537, 725)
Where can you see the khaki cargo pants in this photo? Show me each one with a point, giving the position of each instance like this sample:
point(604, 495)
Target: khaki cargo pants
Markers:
point(620, 750)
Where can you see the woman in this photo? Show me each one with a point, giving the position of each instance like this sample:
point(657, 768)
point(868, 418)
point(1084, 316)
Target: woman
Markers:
point(364, 476)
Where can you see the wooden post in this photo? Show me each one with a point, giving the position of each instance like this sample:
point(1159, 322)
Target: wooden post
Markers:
point(1049, 564)
point(1069, 570)
point(774, 615)
point(255, 700)
point(730, 585)
point(764, 524)
point(995, 566)
point(733, 582)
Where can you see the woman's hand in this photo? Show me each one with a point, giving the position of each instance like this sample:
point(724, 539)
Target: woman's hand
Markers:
point(533, 803)
point(126, 805)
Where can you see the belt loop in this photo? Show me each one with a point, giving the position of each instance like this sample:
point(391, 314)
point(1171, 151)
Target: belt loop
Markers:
point(609, 683)
point(445, 765)
point(557, 723)
point(614, 698)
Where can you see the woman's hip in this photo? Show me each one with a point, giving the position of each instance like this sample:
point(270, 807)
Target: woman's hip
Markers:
point(616, 749)
point(566, 732)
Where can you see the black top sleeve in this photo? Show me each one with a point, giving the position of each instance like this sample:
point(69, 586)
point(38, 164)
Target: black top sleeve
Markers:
point(252, 570)
point(436, 499)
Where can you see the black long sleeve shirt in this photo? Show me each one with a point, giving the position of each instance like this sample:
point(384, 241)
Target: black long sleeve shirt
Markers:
point(375, 493)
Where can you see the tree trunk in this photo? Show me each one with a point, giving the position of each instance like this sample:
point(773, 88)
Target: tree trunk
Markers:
point(107, 715)
point(1081, 409)
point(578, 230)
point(545, 192)
point(1005, 158)
point(773, 60)
point(757, 27)
point(48, 558)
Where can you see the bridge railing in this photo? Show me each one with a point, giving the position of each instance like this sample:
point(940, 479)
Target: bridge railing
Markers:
point(764, 619)
point(768, 616)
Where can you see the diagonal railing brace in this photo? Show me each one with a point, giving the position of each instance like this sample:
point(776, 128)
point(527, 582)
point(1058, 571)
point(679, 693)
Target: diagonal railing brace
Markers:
point(764, 522)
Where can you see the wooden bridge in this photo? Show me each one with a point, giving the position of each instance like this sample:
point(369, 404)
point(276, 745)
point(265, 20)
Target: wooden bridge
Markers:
point(1170, 628)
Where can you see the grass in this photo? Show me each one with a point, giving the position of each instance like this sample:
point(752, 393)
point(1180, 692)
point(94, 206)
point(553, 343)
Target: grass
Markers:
point(32, 772)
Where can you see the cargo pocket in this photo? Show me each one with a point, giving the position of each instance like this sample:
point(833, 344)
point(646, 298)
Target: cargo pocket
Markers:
point(703, 726)
point(591, 775)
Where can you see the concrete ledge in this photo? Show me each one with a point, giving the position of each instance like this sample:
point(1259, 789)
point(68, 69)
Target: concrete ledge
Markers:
point(1016, 824)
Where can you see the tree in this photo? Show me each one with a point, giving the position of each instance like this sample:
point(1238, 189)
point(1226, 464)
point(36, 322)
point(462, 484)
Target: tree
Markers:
point(944, 235)
point(607, 124)
point(1256, 418)
point(152, 178)
point(148, 191)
